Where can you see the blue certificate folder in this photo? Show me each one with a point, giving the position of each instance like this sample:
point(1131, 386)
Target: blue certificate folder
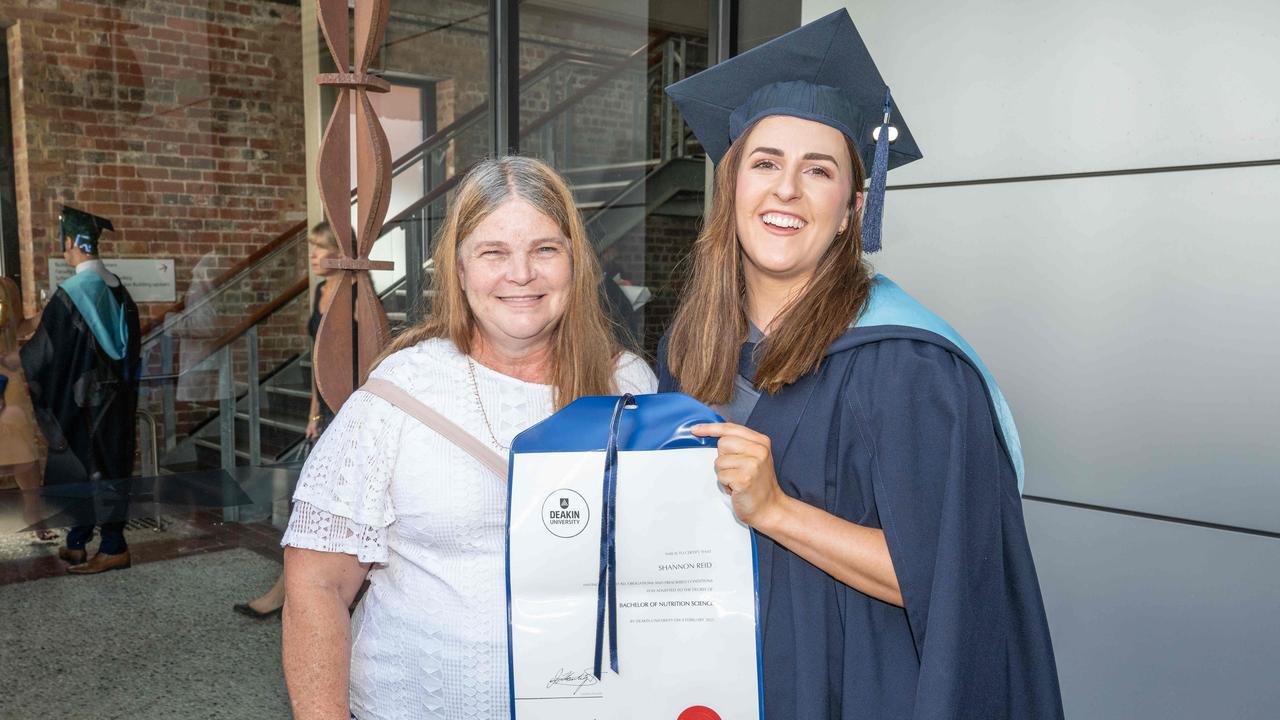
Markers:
point(631, 587)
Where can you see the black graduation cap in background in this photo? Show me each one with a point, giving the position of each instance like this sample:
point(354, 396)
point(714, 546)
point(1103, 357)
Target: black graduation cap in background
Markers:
point(821, 72)
point(83, 228)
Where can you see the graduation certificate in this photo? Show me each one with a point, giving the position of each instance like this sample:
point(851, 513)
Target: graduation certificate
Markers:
point(679, 616)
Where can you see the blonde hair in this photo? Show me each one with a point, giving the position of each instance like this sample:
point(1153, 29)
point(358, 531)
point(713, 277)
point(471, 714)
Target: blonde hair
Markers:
point(711, 323)
point(583, 346)
point(10, 314)
point(321, 235)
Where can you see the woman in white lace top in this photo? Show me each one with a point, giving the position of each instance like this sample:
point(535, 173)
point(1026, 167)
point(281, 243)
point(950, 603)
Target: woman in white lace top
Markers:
point(516, 331)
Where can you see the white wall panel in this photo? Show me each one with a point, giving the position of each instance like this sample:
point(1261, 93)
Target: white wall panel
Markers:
point(1133, 322)
point(1005, 88)
point(1158, 620)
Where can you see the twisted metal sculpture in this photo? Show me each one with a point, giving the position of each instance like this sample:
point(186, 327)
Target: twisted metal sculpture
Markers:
point(354, 328)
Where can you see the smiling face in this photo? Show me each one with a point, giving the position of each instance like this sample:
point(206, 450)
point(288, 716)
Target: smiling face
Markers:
point(516, 273)
point(795, 182)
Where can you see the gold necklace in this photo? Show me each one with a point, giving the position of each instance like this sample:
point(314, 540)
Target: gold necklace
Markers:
point(475, 390)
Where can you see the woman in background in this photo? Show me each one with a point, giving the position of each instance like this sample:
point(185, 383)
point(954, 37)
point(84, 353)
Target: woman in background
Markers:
point(19, 447)
point(322, 244)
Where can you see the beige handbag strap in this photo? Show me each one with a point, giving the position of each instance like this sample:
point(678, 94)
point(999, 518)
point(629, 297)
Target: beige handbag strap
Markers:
point(447, 428)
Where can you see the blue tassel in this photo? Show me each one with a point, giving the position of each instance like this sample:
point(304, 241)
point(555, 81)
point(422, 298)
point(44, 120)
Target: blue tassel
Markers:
point(873, 207)
point(607, 585)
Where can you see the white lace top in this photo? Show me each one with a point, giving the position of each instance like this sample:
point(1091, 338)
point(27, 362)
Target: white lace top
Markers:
point(429, 639)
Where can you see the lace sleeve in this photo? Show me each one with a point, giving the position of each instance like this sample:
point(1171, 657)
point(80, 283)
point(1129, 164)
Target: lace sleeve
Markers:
point(350, 469)
point(311, 528)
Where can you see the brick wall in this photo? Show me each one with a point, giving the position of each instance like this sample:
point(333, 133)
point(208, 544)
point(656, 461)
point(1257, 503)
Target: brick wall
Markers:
point(654, 255)
point(182, 122)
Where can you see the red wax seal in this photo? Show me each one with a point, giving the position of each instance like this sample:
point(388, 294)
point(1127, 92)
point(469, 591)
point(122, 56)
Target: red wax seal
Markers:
point(698, 712)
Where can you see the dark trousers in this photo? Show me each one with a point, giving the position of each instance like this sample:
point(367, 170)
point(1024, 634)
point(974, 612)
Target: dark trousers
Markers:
point(112, 538)
point(108, 509)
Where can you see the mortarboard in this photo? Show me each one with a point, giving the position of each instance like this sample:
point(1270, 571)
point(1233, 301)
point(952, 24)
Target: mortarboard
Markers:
point(820, 72)
point(83, 228)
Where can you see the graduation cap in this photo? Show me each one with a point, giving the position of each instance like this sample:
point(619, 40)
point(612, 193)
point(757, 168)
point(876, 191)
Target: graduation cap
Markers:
point(820, 72)
point(83, 228)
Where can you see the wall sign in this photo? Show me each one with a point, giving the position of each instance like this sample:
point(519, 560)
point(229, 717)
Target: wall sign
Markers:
point(147, 279)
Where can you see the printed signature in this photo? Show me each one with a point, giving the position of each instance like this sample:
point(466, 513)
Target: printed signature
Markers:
point(575, 680)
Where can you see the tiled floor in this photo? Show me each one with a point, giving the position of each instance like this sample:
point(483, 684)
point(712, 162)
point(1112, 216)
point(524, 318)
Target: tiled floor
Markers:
point(23, 559)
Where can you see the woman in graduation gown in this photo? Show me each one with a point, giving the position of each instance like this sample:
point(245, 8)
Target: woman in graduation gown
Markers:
point(866, 444)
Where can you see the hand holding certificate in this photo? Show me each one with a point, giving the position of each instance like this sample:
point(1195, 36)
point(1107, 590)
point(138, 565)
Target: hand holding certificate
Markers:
point(631, 584)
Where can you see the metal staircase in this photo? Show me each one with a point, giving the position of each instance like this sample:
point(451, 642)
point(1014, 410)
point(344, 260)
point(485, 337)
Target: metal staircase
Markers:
point(261, 417)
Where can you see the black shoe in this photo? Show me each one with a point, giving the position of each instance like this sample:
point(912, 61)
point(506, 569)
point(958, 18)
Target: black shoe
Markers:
point(248, 611)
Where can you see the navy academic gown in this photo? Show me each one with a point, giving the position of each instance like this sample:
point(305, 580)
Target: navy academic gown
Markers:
point(86, 402)
point(86, 399)
point(897, 430)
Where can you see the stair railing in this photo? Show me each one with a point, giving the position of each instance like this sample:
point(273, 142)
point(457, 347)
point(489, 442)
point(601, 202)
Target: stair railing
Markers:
point(671, 65)
point(175, 313)
point(433, 145)
point(220, 351)
point(158, 334)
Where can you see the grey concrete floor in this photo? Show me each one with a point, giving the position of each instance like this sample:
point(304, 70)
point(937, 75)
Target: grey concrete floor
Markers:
point(155, 641)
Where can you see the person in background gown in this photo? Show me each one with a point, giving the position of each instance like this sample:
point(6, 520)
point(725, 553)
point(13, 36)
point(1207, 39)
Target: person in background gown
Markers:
point(82, 369)
point(866, 444)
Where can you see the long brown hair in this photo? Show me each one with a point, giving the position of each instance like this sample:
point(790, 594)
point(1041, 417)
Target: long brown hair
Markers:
point(711, 323)
point(582, 345)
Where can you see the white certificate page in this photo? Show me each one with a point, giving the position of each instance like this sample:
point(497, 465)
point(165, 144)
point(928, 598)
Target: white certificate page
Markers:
point(687, 640)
